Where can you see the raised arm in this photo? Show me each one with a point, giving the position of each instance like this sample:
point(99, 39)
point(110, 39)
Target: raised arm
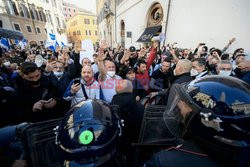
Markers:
point(152, 54)
point(125, 57)
point(100, 63)
point(229, 43)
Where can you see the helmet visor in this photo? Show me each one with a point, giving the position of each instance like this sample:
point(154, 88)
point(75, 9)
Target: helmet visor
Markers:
point(180, 106)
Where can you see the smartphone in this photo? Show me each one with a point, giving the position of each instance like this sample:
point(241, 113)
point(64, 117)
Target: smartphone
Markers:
point(77, 81)
point(202, 44)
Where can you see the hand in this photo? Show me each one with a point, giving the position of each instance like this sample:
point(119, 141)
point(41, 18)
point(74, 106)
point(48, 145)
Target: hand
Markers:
point(101, 55)
point(172, 51)
point(65, 57)
point(75, 88)
point(38, 106)
point(50, 66)
point(142, 53)
point(153, 94)
point(155, 44)
point(232, 40)
point(19, 163)
point(127, 54)
point(51, 103)
point(104, 44)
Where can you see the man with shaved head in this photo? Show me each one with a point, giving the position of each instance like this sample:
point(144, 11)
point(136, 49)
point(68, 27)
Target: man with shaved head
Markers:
point(182, 71)
point(83, 88)
point(182, 75)
point(132, 113)
point(124, 86)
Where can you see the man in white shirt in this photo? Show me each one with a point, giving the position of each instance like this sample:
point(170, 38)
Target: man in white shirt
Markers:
point(107, 77)
point(86, 87)
point(199, 68)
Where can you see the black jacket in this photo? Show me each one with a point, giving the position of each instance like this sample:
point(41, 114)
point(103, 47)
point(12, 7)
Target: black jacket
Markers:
point(189, 154)
point(130, 111)
point(132, 114)
point(21, 102)
point(183, 78)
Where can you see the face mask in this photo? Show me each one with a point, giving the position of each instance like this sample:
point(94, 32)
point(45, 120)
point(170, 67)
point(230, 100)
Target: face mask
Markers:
point(213, 66)
point(58, 74)
point(225, 73)
point(194, 72)
point(6, 64)
point(111, 73)
point(174, 72)
point(34, 83)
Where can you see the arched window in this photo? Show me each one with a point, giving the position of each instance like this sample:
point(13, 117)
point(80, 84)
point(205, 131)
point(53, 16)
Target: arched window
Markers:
point(49, 18)
point(122, 33)
point(155, 15)
point(40, 14)
point(26, 11)
point(32, 14)
point(44, 16)
point(58, 22)
point(21, 12)
point(37, 15)
point(122, 29)
point(14, 8)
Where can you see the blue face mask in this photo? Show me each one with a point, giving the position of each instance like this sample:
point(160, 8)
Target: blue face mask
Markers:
point(225, 73)
point(58, 74)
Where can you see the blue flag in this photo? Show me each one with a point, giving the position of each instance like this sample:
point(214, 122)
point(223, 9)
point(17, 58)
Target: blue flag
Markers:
point(25, 41)
point(52, 36)
point(51, 42)
point(16, 41)
point(5, 43)
point(63, 45)
point(52, 48)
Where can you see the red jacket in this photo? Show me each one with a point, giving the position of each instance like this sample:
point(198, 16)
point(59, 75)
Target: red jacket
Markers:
point(143, 78)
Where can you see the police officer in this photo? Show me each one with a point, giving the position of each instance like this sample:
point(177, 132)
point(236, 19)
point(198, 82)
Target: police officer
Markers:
point(88, 135)
point(212, 115)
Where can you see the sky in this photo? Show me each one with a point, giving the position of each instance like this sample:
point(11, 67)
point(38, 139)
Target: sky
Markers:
point(89, 5)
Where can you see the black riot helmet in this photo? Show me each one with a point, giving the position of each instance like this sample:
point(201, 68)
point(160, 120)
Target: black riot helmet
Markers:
point(214, 110)
point(88, 134)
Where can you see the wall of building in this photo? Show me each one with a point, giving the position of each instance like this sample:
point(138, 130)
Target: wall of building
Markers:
point(213, 22)
point(106, 21)
point(77, 23)
point(30, 36)
point(69, 10)
point(52, 7)
point(134, 14)
point(191, 22)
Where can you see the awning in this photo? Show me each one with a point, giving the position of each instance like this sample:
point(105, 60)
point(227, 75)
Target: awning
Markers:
point(11, 34)
point(148, 34)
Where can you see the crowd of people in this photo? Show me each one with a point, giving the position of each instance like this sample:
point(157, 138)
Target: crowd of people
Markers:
point(39, 84)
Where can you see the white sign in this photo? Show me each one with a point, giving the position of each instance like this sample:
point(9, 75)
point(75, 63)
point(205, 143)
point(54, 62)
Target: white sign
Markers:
point(87, 50)
point(162, 37)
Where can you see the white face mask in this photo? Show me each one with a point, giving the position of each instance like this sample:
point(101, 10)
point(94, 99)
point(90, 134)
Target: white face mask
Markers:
point(174, 72)
point(6, 64)
point(58, 74)
point(193, 72)
point(111, 73)
point(225, 73)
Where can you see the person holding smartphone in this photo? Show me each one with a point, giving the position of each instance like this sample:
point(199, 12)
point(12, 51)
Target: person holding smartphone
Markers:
point(83, 88)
